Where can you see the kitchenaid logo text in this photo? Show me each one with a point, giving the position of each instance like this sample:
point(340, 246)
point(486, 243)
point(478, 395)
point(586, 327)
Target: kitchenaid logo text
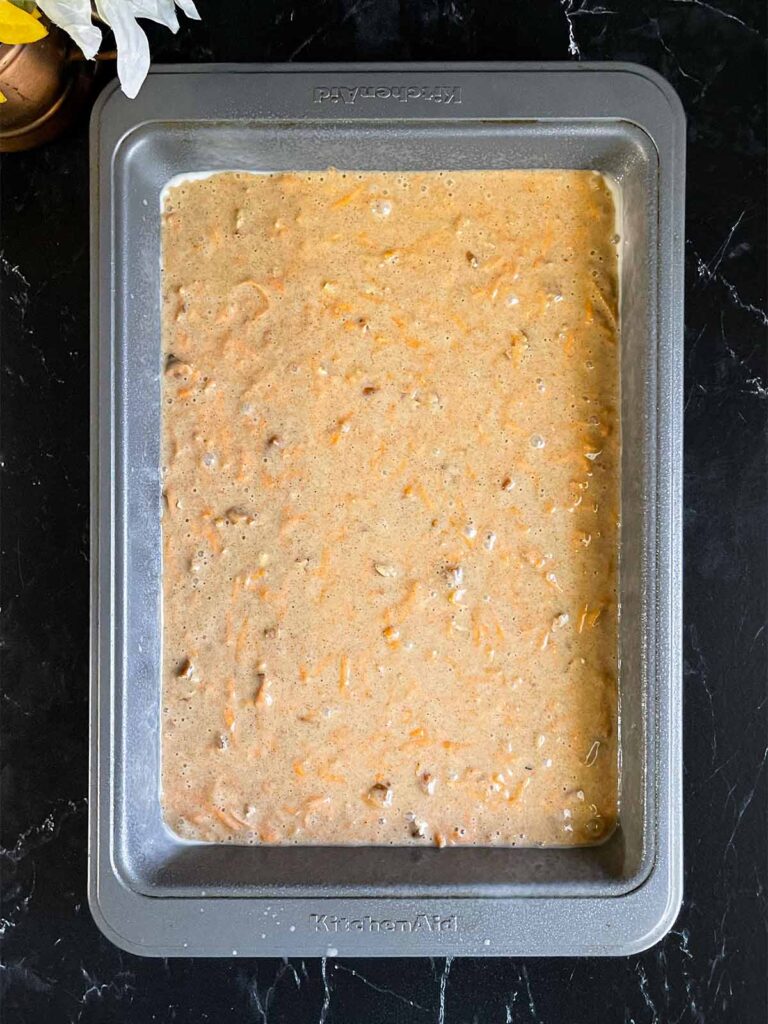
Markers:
point(350, 95)
point(370, 925)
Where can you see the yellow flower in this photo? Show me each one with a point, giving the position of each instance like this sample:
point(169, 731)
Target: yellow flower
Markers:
point(16, 26)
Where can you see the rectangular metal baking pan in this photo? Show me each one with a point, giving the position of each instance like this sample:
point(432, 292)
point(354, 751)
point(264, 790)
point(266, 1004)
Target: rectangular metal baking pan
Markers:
point(155, 894)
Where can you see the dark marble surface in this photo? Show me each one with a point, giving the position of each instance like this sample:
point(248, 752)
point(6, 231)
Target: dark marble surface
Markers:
point(712, 967)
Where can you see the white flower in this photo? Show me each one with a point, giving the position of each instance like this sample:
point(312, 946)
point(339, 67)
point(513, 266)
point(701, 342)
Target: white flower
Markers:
point(74, 16)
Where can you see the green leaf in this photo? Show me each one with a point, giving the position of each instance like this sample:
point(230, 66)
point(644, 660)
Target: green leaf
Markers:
point(25, 5)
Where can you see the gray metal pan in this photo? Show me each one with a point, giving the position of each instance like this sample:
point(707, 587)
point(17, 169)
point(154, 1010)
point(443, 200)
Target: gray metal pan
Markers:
point(155, 894)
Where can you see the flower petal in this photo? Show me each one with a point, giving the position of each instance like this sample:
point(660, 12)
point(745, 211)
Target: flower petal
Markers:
point(74, 17)
point(189, 9)
point(161, 11)
point(131, 41)
point(16, 26)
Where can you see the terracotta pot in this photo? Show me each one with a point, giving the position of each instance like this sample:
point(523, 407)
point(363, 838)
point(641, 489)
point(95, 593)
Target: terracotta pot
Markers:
point(45, 84)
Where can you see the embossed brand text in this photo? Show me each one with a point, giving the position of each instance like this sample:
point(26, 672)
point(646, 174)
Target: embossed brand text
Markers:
point(350, 95)
point(370, 925)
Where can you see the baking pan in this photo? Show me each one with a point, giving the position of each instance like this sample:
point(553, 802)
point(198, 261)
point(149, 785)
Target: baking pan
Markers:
point(156, 894)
